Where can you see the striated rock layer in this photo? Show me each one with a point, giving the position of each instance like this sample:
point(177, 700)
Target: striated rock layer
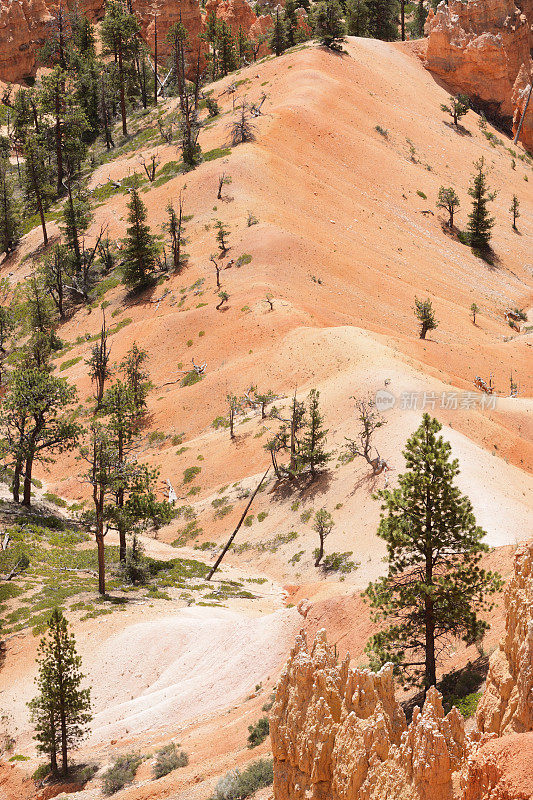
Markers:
point(339, 734)
point(483, 48)
point(507, 703)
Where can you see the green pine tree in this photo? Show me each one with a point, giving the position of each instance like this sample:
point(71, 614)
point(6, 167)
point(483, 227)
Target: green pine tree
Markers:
point(9, 211)
point(479, 220)
point(61, 712)
point(227, 51)
point(119, 32)
point(329, 25)
point(515, 210)
point(140, 246)
point(38, 191)
point(312, 454)
point(382, 19)
point(357, 17)
point(435, 585)
point(290, 23)
point(278, 40)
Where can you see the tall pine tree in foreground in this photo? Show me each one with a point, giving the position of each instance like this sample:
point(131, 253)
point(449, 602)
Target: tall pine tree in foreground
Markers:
point(479, 220)
point(61, 711)
point(435, 585)
point(140, 247)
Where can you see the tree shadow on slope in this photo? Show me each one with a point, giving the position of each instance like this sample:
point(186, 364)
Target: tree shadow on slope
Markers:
point(303, 486)
point(460, 129)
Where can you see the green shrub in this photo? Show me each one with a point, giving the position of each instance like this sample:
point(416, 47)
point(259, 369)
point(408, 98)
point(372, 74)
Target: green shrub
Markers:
point(467, 705)
point(236, 785)
point(249, 520)
point(169, 758)
point(121, 772)
point(41, 772)
point(422, 194)
point(156, 437)
point(69, 363)
point(262, 515)
point(190, 378)
point(383, 131)
point(337, 562)
point(190, 473)
point(53, 498)
point(258, 733)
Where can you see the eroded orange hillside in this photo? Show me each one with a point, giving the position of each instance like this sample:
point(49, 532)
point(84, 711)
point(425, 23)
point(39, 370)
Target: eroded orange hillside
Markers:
point(347, 235)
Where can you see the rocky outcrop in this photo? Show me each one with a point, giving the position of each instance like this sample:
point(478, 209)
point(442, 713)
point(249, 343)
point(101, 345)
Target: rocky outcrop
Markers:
point(507, 703)
point(521, 95)
point(167, 14)
point(339, 734)
point(480, 47)
point(237, 13)
point(24, 28)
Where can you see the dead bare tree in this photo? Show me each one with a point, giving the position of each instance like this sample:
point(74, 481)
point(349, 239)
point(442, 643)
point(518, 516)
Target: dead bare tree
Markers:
point(370, 420)
point(151, 167)
point(218, 267)
point(222, 181)
point(167, 134)
point(242, 130)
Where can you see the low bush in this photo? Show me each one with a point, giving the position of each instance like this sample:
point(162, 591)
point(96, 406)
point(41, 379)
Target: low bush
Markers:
point(121, 772)
point(467, 705)
point(236, 785)
point(169, 758)
point(258, 733)
point(337, 562)
point(42, 771)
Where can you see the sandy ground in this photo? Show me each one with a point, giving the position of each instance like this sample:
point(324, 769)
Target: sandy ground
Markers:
point(348, 235)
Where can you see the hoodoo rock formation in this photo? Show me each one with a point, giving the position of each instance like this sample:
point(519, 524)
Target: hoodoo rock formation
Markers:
point(24, 28)
point(484, 50)
point(507, 703)
point(339, 733)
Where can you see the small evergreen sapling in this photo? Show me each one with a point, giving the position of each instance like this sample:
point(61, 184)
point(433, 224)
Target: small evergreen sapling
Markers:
point(312, 453)
point(323, 525)
point(515, 211)
point(480, 222)
point(449, 201)
point(457, 107)
point(425, 315)
point(140, 246)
